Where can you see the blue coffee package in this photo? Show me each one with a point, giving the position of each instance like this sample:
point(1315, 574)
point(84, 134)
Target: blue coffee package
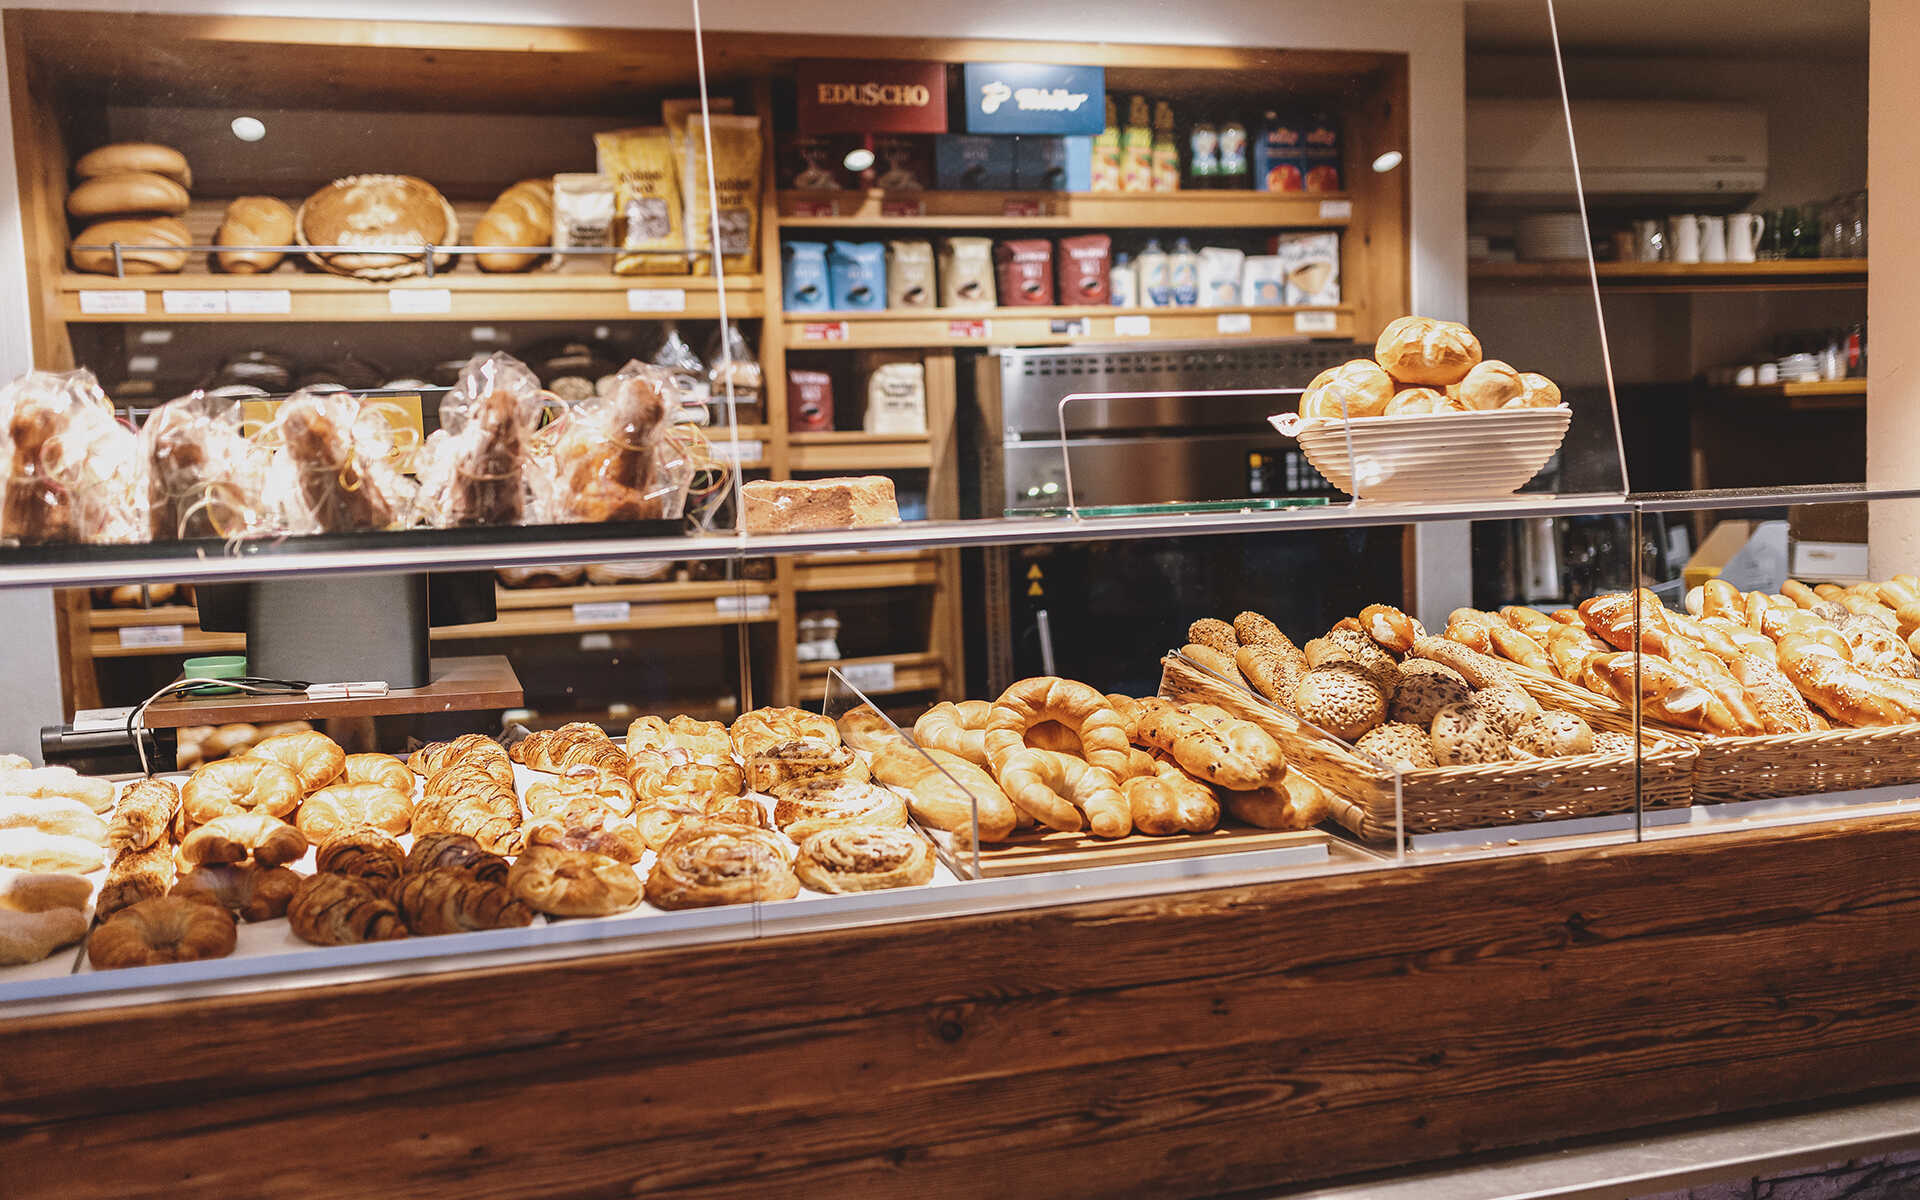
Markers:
point(804, 277)
point(963, 162)
point(1053, 164)
point(857, 274)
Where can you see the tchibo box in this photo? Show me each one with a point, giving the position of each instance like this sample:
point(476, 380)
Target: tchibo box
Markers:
point(902, 162)
point(965, 162)
point(1053, 164)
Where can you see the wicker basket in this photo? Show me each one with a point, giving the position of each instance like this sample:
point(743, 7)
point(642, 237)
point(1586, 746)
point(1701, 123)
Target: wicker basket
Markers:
point(1757, 766)
point(1441, 799)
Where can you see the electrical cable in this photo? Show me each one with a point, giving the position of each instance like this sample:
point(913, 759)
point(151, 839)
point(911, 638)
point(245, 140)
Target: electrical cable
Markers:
point(136, 724)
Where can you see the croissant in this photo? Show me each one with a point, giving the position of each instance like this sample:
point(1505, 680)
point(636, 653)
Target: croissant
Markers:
point(256, 893)
point(944, 790)
point(474, 748)
point(268, 840)
point(439, 900)
point(338, 910)
point(483, 822)
point(957, 728)
point(457, 852)
point(365, 853)
point(344, 806)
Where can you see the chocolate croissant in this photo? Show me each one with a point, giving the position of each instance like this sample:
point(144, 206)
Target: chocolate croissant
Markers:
point(448, 901)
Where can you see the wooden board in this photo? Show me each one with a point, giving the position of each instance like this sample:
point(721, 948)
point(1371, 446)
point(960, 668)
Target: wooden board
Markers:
point(1035, 853)
point(1216, 1041)
point(458, 685)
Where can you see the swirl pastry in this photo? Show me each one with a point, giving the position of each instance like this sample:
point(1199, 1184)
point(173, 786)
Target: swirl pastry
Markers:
point(234, 786)
point(344, 806)
point(803, 808)
point(316, 759)
point(660, 777)
point(706, 864)
point(568, 883)
point(763, 727)
point(785, 764)
point(703, 741)
point(587, 827)
point(863, 858)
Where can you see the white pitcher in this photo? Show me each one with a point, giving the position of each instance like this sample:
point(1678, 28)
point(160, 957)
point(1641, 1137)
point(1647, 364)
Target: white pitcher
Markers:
point(1713, 239)
point(1683, 238)
point(1743, 236)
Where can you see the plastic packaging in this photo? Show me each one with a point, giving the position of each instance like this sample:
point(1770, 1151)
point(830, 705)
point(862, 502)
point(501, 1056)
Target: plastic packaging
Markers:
point(58, 486)
point(202, 475)
point(336, 465)
point(473, 468)
point(734, 378)
point(687, 374)
point(612, 457)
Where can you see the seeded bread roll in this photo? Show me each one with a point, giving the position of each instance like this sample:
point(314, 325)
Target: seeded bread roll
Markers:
point(1398, 744)
point(1274, 675)
point(1341, 699)
point(1211, 631)
point(1555, 735)
point(1509, 707)
point(1425, 689)
point(1464, 734)
point(1355, 647)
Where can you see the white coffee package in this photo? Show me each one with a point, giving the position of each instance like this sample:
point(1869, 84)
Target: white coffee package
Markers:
point(1220, 276)
point(897, 399)
point(1312, 265)
point(1263, 281)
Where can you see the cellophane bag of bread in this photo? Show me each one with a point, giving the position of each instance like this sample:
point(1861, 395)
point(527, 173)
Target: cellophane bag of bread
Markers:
point(472, 470)
point(202, 475)
point(69, 463)
point(647, 213)
point(612, 458)
point(735, 194)
point(338, 464)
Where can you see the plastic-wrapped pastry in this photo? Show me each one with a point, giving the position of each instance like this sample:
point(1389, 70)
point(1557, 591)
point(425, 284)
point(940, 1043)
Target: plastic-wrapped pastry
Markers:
point(337, 468)
point(51, 425)
point(472, 469)
point(203, 477)
point(607, 461)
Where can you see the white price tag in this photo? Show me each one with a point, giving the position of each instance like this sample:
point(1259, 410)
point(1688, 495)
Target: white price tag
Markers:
point(99, 720)
point(419, 300)
point(153, 635)
point(199, 304)
point(869, 677)
point(113, 304)
point(274, 301)
point(1132, 326)
point(601, 612)
point(1233, 323)
point(671, 300)
point(1336, 210)
point(743, 606)
point(1315, 322)
point(143, 364)
point(742, 451)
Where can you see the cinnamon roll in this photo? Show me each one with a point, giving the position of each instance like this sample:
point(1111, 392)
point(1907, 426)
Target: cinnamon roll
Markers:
point(864, 858)
point(803, 808)
point(708, 863)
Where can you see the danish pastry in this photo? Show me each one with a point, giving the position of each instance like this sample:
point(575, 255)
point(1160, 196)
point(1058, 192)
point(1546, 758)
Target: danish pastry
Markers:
point(705, 864)
point(339, 910)
point(703, 741)
point(232, 786)
point(62, 782)
point(52, 814)
point(31, 850)
point(570, 883)
point(316, 759)
point(164, 929)
point(657, 778)
point(763, 727)
point(786, 763)
point(256, 893)
point(610, 792)
point(863, 858)
point(802, 808)
point(587, 827)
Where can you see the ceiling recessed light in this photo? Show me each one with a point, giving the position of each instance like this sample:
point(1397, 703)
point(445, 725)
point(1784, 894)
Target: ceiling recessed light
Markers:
point(249, 129)
point(1388, 161)
point(858, 159)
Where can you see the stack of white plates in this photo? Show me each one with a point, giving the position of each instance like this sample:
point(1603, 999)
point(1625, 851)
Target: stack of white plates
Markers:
point(1542, 237)
point(1445, 456)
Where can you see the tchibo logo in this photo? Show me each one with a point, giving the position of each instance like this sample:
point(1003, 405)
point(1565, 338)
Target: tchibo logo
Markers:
point(876, 95)
point(1029, 99)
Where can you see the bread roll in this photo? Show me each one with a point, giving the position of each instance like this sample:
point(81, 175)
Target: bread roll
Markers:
point(1491, 384)
point(1425, 351)
point(120, 157)
point(132, 232)
point(1358, 388)
point(127, 193)
point(254, 221)
point(1418, 402)
point(1540, 392)
point(522, 216)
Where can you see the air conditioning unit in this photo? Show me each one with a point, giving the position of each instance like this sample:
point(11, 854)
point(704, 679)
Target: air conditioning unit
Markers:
point(1629, 150)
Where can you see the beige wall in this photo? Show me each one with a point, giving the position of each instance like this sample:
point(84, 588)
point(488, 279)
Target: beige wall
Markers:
point(1893, 288)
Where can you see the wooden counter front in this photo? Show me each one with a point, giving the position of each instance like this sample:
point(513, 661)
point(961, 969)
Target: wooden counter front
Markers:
point(1187, 1044)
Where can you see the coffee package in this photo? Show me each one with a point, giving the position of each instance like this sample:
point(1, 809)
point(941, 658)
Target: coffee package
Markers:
point(583, 216)
point(647, 214)
point(910, 281)
point(1311, 262)
point(815, 162)
point(857, 276)
point(902, 162)
point(805, 282)
point(1263, 281)
point(1220, 269)
point(1085, 269)
point(966, 273)
point(897, 399)
point(735, 196)
point(1024, 269)
point(809, 401)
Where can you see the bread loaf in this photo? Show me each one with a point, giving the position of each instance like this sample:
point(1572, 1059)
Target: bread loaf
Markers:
point(1358, 388)
point(93, 246)
point(1491, 384)
point(1537, 392)
point(254, 221)
point(773, 506)
point(1421, 350)
point(127, 193)
point(120, 157)
point(522, 216)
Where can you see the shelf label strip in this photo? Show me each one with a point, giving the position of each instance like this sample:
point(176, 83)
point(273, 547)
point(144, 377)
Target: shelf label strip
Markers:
point(602, 612)
point(743, 606)
point(869, 677)
point(661, 300)
point(414, 301)
point(113, 303)
point(153, 635)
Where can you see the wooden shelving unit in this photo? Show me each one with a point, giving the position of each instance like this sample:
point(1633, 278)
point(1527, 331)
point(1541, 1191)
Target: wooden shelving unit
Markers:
point(1824, 395)
point(1064, 210)
point(904, 328)
point(1793, 274)
point(920, 671)
point(859, 452)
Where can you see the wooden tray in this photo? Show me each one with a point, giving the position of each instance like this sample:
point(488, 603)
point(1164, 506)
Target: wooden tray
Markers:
point(1032, 853)
point(1443, 799)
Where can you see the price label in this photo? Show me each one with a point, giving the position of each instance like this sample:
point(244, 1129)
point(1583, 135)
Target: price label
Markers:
point(1315, 322)
point(869, 677)
point(741, 451)
point(415, 301)
point(277, 301)
point(143, 364)
point(661, 300)
point(200, 304)
point(1133, 326)
point(113, 304)
point(100, 720)
point(1023, 207)
point(1233, 323)
point(1071, 326)
point(601, 612)
point(153, 635)
point(813, 208)
point(824, 331)
point(974, 330)
point(1336, 210)
point(743, 606)
point(903, 208)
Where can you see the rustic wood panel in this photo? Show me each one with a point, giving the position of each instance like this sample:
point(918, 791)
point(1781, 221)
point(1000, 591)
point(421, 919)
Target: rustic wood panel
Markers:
point(1228, 1039)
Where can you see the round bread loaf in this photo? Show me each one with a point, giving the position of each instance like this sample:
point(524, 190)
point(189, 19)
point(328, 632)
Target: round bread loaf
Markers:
point(1369, 657)
point(1555, 735)
point(391, 215)
point(1423, 693)
point(1425, 351)
point(1418, 402)
point(92, 247)
point(1540, 392)
point(126, 194)
point(522, 216)
point(254, 221)
point(150, 157)
point(1491, 384)
point(1398, 744)
point(1509, 707)
point(1464, 734)
point(1357, 388)
point(1340, 699)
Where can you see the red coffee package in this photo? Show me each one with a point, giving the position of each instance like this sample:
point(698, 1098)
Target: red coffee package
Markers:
point(1025, 269)
point(1086, 269)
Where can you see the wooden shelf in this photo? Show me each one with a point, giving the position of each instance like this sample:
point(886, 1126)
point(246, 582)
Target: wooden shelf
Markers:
point(1063, 210)
point(1804, 397)
point(916, 672)
point(664, 591)
point(861, 572)
point(837, 451)
point(1793, 274)
point(307, 297)
point(458, 685)
point(908, 328)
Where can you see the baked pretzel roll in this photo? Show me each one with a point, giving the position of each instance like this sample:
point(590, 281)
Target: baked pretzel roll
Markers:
point(572, 883)
point(314, 758)
point(256, 893)
point(945, 790)
point(383, 769)
point(344, 806)
point(1357, 388)
point(1667, 694)
point(162, 930)
point(1569, 647)
point(588, 827)
point(267, 840)
point(365, 854)
point(236, 786)
point(754, 731)
point(864, 858)
point(339, 910)
point(1063, 792)
point(1224, 750)
point(959, 728)
point(1170, 801)
point(1422, 350)
point(708, 863)
point(146, 809)
point(804, 807)
point(456, 852)
point(1103, 733)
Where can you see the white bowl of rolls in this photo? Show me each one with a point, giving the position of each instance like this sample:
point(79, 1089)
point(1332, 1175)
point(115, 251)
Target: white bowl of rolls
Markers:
point(1427, 418)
